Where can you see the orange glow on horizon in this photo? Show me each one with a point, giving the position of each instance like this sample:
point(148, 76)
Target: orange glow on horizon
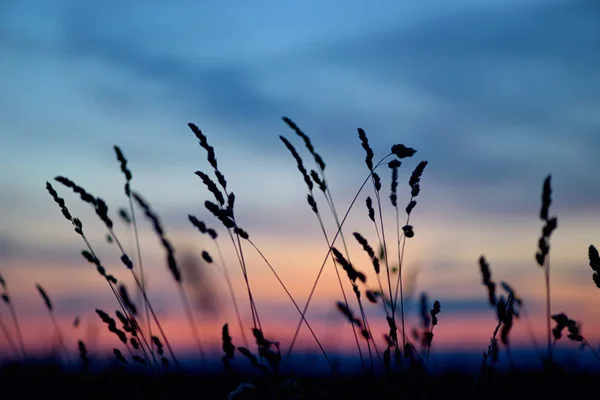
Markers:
point(446, 272)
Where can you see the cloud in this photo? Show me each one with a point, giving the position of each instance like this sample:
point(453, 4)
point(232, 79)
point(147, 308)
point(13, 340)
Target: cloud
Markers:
point(495, 96)
point(511, 94)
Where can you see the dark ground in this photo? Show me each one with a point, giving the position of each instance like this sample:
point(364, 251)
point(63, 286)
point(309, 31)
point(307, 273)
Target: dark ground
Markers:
point(48, 380)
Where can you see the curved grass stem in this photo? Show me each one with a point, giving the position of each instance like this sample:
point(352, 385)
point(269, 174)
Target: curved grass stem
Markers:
point(339, 229)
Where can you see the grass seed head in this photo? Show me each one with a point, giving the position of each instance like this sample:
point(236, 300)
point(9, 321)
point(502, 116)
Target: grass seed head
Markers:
point(372, 296)
point(434, 312)
point(129, 305)
point(119, 356)
point(242, 233)
point(365, 144)
point(318, 181)
point(299, 162)
point(369, 250)
point(228, 347)
point(487, 280)
point(105, 317)
point(85, 196)
point(206, 257)
point(212, 187)
point(394, 165)
point(401, 151)
point(546, 198)
point(44, 297)
point(312, 203)
point(393, 329)
point(121, 158)
point(158, 229)
point(594, 258)
point(201, 226)
point(158, 344)
point(370, 208)
point(411, 205)
point(124, 215)
point(415, 179)
point(347, 312)
point(60, 201)
point(221, 179)
point(318, 160)
point(139, 360)
point(83, 354)
point(376, 181)
point(124, 320)
point(127, 261)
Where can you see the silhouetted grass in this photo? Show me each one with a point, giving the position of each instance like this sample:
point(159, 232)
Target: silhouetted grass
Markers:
point(142, 366)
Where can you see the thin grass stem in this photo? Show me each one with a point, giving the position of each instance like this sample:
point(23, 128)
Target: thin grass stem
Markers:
point(293, 302)
point(232, 293)
point(8, 337)
point(192, 322)
point(333, 242)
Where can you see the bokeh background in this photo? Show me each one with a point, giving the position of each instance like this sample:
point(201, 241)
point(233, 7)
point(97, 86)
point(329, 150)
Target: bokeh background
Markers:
point(496, 95)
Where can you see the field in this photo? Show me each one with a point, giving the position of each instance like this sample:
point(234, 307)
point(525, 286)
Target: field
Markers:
point(389, 357)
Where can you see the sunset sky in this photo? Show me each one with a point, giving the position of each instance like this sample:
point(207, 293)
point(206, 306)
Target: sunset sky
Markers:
point(495, 95)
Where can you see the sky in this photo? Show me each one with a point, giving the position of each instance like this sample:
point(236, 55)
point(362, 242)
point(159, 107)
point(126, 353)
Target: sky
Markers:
point(495, 95)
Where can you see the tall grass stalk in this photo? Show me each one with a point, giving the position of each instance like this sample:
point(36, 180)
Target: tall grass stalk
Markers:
point(191, 320)
point(124, 308)
point(399, 282)
point(128, 176)
point(172, 265)
point(171, 261)
point(376, 181)
point(331, 204)
point(146, 300)
point(542, 255)
point(7, 300)
point(548, 312)
point(8, 338)
point(50, 309)
point(414, 183)
point(158, 324)
point(322, 183)
point(201, 226)
point(232, 293)
point(92, 256)
point(339, 229)
point(3, 328)
point(227, 216)
point(293, 302)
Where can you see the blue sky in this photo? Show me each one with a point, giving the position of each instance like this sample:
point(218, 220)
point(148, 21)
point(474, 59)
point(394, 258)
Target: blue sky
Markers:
point(495, 95)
